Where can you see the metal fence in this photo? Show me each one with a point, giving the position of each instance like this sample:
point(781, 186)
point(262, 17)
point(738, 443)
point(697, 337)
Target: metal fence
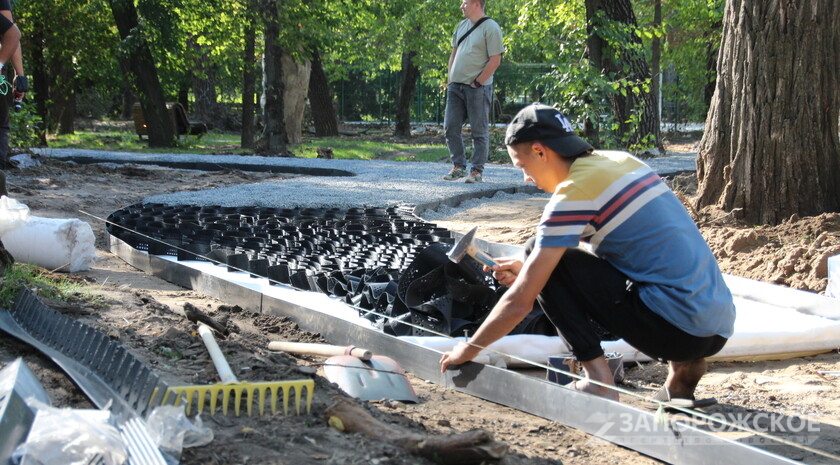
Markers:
point(515, 85)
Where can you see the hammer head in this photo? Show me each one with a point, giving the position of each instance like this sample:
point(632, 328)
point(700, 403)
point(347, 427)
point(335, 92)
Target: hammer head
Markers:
point(459, 250)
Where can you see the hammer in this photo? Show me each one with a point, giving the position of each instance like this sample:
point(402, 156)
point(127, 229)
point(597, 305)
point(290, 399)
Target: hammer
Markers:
point(465, 247)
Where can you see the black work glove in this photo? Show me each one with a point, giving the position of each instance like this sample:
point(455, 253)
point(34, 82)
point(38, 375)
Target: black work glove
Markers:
point(21, 83)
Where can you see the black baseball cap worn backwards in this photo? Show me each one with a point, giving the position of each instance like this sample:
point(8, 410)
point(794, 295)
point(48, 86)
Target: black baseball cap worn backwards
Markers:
point(549, 126)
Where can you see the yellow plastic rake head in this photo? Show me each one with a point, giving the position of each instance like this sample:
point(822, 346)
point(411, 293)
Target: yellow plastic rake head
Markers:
point(258, 392)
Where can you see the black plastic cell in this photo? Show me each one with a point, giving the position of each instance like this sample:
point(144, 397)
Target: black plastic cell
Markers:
point(279, 274)
point(237, 262)
point(258, 267)
point(300, 279)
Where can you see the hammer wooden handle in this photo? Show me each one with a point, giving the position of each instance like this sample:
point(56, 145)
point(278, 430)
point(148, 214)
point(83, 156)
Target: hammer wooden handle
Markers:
point(482, 257)
point(326, 350)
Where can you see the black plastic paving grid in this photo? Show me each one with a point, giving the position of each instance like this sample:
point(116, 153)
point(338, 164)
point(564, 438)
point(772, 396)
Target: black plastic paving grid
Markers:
point(356, 254)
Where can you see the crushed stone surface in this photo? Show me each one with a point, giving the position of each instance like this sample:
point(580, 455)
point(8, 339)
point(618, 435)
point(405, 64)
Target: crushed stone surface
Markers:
point(366, 183)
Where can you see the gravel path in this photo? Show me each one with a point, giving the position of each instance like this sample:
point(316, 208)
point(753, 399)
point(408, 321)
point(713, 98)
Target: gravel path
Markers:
point(341, 183)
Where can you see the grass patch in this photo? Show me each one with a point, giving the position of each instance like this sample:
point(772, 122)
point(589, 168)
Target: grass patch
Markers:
point(358, 149)
point(119, 139)
point(218, 143)
point(54, 286)
point(213, 143)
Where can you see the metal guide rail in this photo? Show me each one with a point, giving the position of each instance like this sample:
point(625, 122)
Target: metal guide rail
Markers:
point(667, 439)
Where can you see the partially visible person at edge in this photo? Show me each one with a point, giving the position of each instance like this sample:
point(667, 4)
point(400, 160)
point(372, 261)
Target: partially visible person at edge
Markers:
point(649, 278)
point(9, 91)
point(469, 91)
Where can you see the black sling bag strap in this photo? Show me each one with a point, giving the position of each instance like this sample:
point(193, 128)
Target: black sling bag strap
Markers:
point(477, 23)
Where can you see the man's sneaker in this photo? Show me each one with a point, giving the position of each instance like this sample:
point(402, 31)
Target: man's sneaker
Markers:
point(456, 173)
point(474, 177)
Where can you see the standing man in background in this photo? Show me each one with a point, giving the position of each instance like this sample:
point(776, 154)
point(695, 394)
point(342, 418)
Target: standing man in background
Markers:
point(476, 53)
point(9, 50)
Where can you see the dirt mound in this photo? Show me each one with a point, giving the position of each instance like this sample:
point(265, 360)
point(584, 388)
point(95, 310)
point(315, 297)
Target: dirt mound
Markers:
point(794, 253)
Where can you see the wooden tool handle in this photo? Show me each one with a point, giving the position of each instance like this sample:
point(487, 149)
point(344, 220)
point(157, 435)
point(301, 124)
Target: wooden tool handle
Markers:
point(483, 258)
point(327, 350)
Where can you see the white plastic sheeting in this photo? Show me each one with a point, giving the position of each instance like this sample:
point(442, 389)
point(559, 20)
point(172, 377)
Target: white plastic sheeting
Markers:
point(771, 323)
point(51, 243)
point(833, 277)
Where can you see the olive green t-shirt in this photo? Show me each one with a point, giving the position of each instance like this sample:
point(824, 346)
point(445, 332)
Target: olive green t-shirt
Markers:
point(475, 51)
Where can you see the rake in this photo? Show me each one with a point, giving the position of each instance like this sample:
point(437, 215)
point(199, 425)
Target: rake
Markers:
point(252, 392)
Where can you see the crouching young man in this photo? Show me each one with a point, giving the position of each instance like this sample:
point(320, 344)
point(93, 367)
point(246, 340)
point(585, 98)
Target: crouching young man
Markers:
point(648, 276)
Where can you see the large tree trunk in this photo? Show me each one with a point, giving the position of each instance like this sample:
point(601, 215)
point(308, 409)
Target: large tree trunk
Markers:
point(62, 109)
point(249, 86)
point(321, 100)
point(770, 148)
point(138, 64)
point(408, 85)
point(184, 96)
point(274, 139)
point(67, 116)
point(295, 88)
point(206, 107)
point(36, 62)
point(128, 99)
point(712, 50)
point(636, 114)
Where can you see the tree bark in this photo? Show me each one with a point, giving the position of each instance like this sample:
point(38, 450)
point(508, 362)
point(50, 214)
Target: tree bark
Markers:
point(137, 62)
point(770, 147)
point(36, 62)
point(408, 85)
point(274, 139)
point(712, 50)
point(321, 100)
point(295, 87)
point(249, 86)
point(636, 114)
point(67, 115)
point(61, 112)
point(184, 96)
point(206, 107)
point(128, 99)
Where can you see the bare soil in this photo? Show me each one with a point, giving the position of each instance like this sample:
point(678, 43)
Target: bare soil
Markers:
point(146, 314)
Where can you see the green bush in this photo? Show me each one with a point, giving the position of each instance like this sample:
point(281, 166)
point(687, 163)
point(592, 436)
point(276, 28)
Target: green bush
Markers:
point(26, 126)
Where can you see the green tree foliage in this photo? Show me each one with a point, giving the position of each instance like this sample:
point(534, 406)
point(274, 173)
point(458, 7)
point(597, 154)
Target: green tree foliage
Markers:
point(551, 36)
point(68, 49)
point(692, 32)
point(362, 44)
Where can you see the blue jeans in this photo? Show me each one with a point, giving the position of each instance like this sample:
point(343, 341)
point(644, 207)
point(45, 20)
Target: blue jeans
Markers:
point(465, 103)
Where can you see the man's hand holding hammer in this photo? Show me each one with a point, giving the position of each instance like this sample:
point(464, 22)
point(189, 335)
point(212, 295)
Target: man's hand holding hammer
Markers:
point(506, 270)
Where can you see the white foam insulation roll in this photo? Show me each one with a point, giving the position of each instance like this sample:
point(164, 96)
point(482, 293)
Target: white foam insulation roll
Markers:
point(52, 243)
